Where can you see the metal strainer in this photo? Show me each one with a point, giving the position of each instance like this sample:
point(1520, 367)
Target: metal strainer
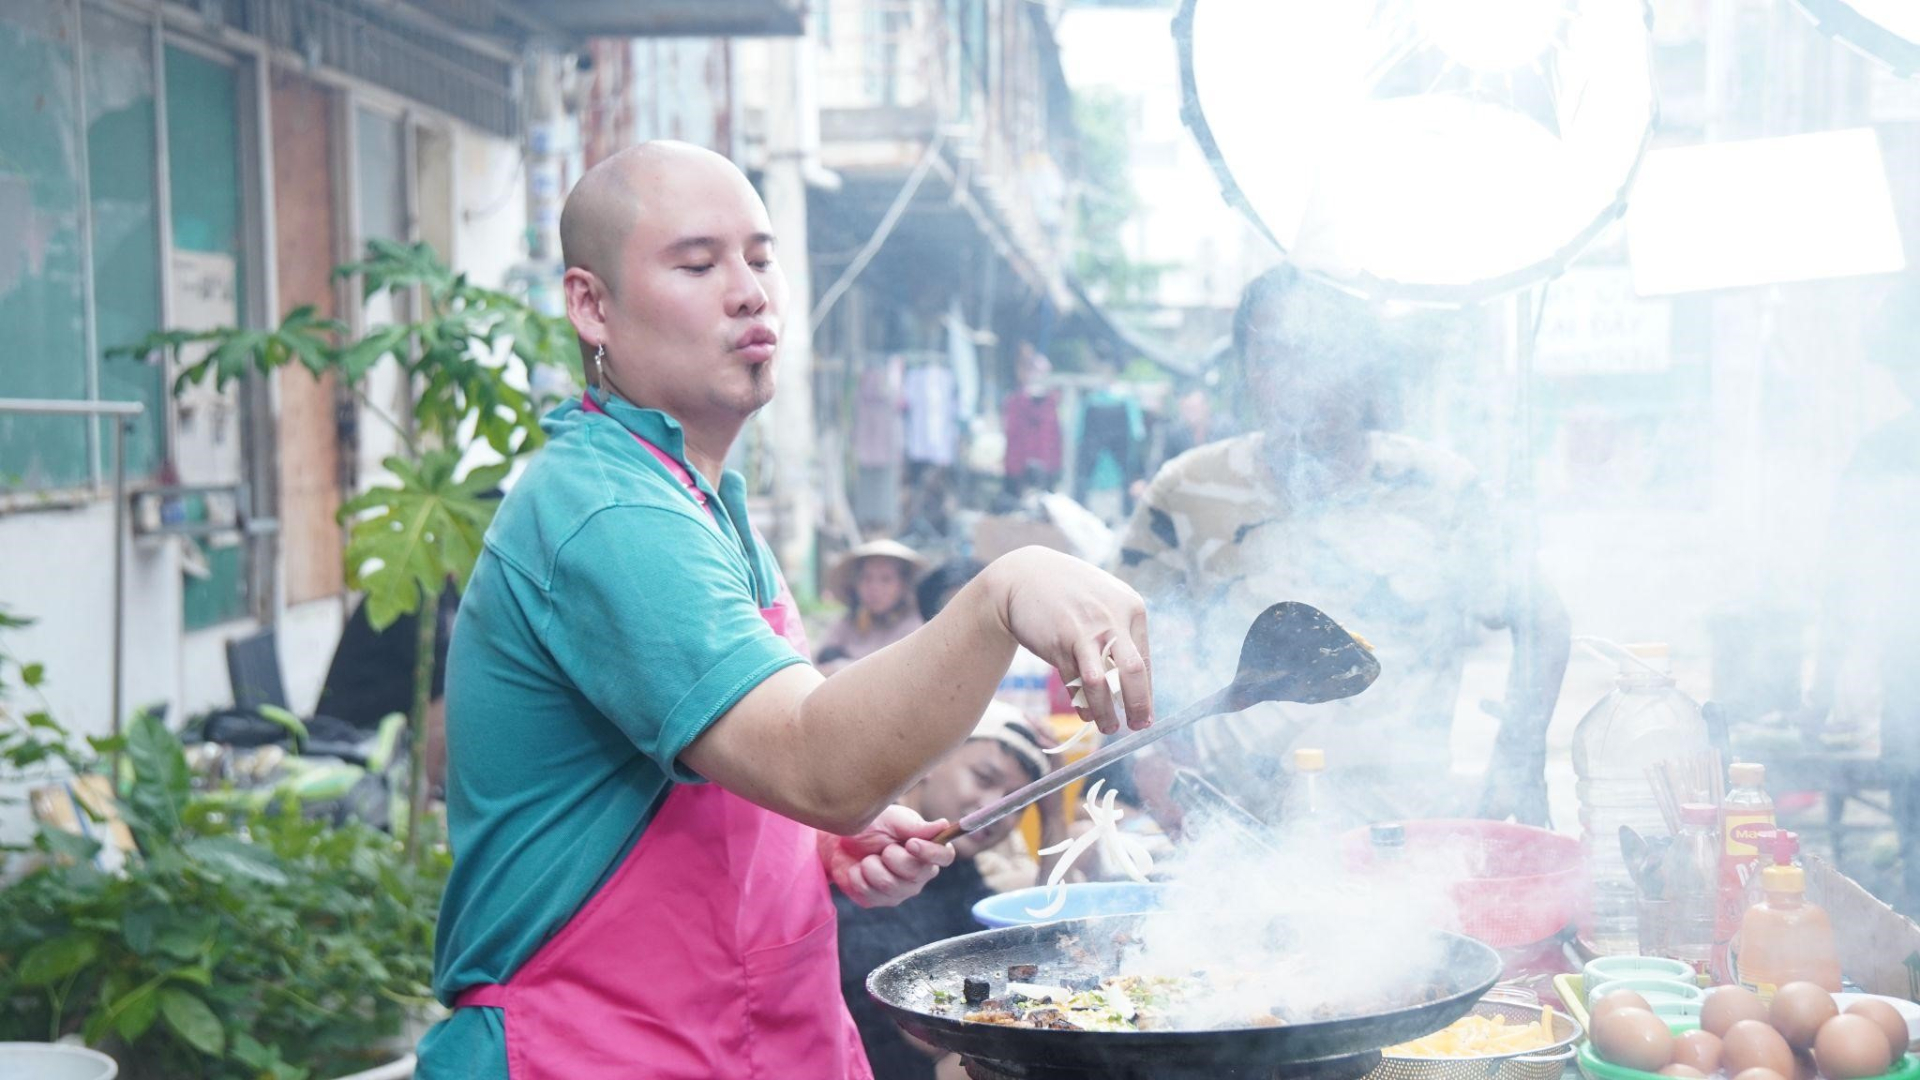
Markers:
point(1517, 1006)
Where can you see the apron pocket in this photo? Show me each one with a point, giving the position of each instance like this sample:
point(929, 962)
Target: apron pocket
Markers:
point(794, 1010)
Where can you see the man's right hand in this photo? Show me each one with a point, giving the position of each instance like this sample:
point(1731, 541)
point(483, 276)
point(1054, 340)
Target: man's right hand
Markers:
point(832, 753)
point(1076, 617)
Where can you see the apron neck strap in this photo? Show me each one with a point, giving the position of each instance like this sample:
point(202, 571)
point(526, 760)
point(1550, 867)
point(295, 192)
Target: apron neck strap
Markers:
point(673, 465)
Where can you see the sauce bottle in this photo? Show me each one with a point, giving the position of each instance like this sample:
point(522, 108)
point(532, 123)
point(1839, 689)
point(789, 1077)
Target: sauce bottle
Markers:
point(1784, 938)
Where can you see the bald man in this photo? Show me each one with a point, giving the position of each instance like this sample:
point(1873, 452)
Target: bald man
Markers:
point(649, 789)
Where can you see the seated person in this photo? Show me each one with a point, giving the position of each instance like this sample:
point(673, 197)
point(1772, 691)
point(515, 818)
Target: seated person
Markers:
point(875, 580)
point(1002, 755)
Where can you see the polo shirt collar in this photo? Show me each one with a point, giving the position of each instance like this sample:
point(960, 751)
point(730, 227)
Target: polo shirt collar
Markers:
point(652, 425)
point(666, 433)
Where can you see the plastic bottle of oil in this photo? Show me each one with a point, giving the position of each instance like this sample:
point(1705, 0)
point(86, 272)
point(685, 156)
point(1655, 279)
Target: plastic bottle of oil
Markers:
point(1784, 938)
point(1644, 720)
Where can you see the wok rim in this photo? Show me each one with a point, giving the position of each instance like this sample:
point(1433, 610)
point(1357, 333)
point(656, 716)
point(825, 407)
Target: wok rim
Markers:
point(1279, 1045)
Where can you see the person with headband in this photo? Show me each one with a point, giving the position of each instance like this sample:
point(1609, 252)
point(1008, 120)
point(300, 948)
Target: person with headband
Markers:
point(1004, 753)
point(650, 793)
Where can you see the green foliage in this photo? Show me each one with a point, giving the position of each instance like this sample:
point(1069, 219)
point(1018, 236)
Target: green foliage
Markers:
point(410, 537)
point(29, 736)
point(303, 336)
point(262, 947)
point(1108, 202)
point(454, 356)
point(408, 540)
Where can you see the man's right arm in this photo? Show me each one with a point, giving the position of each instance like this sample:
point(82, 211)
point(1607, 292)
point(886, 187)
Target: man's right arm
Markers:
point(832, 752)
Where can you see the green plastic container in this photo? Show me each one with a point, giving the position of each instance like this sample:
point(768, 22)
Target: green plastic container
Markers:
point(1907, 1068)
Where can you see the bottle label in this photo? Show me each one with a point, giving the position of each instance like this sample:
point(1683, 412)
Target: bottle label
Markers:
point(1738, 863)
point(1745, 833)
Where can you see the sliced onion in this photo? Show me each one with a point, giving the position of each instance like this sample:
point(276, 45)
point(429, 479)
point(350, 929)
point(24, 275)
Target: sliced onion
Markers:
point(1051, 907)
point(1079, 688)
point(1085, 730)
point(1129, 853)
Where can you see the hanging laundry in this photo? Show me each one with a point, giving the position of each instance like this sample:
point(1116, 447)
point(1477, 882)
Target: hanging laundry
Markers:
point(933, 423)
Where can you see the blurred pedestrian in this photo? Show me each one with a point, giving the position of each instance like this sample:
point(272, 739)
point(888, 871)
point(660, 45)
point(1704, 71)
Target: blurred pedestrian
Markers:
point(875, 580)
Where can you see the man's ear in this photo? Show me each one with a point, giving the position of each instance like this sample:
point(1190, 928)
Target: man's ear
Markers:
point(586, 304)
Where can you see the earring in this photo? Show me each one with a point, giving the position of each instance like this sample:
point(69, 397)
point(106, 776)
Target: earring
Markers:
point(600, 363)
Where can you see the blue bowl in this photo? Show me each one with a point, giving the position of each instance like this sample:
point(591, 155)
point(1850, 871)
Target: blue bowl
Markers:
point(1083, 899)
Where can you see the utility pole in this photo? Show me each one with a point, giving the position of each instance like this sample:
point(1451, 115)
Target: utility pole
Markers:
point(552, 136)
point(791, 438)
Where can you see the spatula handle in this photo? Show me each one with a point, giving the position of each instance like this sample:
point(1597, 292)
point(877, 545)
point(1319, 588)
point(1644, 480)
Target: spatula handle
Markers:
point(1059, 778)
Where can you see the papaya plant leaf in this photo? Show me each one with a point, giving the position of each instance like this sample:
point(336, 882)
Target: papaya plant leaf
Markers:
point(406, 540)
point(359, 358)
point(390, 265)
point(236, 352)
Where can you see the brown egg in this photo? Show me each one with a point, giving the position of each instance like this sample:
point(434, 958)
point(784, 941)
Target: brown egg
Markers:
point(1728, 1005)
point(1619, 999)
point(1698, 1050)
point(1751, 1044)
point(1888, 1018)
point(1759, 1074)
point(1798, 1010)
point(1685, 1072)
point(1635, 1038)
point(1850, 1047)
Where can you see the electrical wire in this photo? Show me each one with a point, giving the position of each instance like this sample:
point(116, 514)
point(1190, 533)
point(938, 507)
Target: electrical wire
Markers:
point(880, 233)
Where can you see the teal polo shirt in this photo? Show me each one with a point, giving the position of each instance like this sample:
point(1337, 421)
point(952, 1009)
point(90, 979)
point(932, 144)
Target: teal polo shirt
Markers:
point(609, 621)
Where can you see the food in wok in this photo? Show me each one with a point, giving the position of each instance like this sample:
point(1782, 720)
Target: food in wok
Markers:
point(1031, 997)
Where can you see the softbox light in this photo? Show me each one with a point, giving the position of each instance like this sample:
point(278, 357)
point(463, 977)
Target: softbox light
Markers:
point(1436, 151)
point(1888, 30)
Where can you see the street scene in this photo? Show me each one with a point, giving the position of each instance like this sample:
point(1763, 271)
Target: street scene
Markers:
point(941, 539)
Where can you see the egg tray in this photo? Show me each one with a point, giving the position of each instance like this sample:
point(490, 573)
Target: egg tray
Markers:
point(1907, 1068)
point(1545, 1063)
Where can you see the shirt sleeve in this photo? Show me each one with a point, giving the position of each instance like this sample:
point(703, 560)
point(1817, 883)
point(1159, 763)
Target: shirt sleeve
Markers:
point(656, 623)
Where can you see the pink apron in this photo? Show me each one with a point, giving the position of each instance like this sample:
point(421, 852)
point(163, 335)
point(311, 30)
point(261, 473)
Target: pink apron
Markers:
point(711, 952)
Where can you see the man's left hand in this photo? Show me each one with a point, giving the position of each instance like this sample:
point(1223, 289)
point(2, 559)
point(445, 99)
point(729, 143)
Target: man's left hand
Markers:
point(888, 861)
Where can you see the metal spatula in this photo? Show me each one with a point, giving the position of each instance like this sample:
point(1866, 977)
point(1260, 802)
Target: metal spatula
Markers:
point(1293, 652)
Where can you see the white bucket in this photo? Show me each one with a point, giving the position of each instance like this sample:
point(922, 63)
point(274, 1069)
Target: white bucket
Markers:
point(54, 1061)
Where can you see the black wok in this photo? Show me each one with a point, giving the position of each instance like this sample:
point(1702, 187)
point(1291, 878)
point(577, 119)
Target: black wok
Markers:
point(904, 985)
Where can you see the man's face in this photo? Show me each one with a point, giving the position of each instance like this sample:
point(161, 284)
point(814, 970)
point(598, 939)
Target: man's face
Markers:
point(1311, 396)
point(974, 775)
point(695, 316)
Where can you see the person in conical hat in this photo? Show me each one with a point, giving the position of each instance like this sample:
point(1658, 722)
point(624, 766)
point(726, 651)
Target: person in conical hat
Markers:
point(875, 580)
